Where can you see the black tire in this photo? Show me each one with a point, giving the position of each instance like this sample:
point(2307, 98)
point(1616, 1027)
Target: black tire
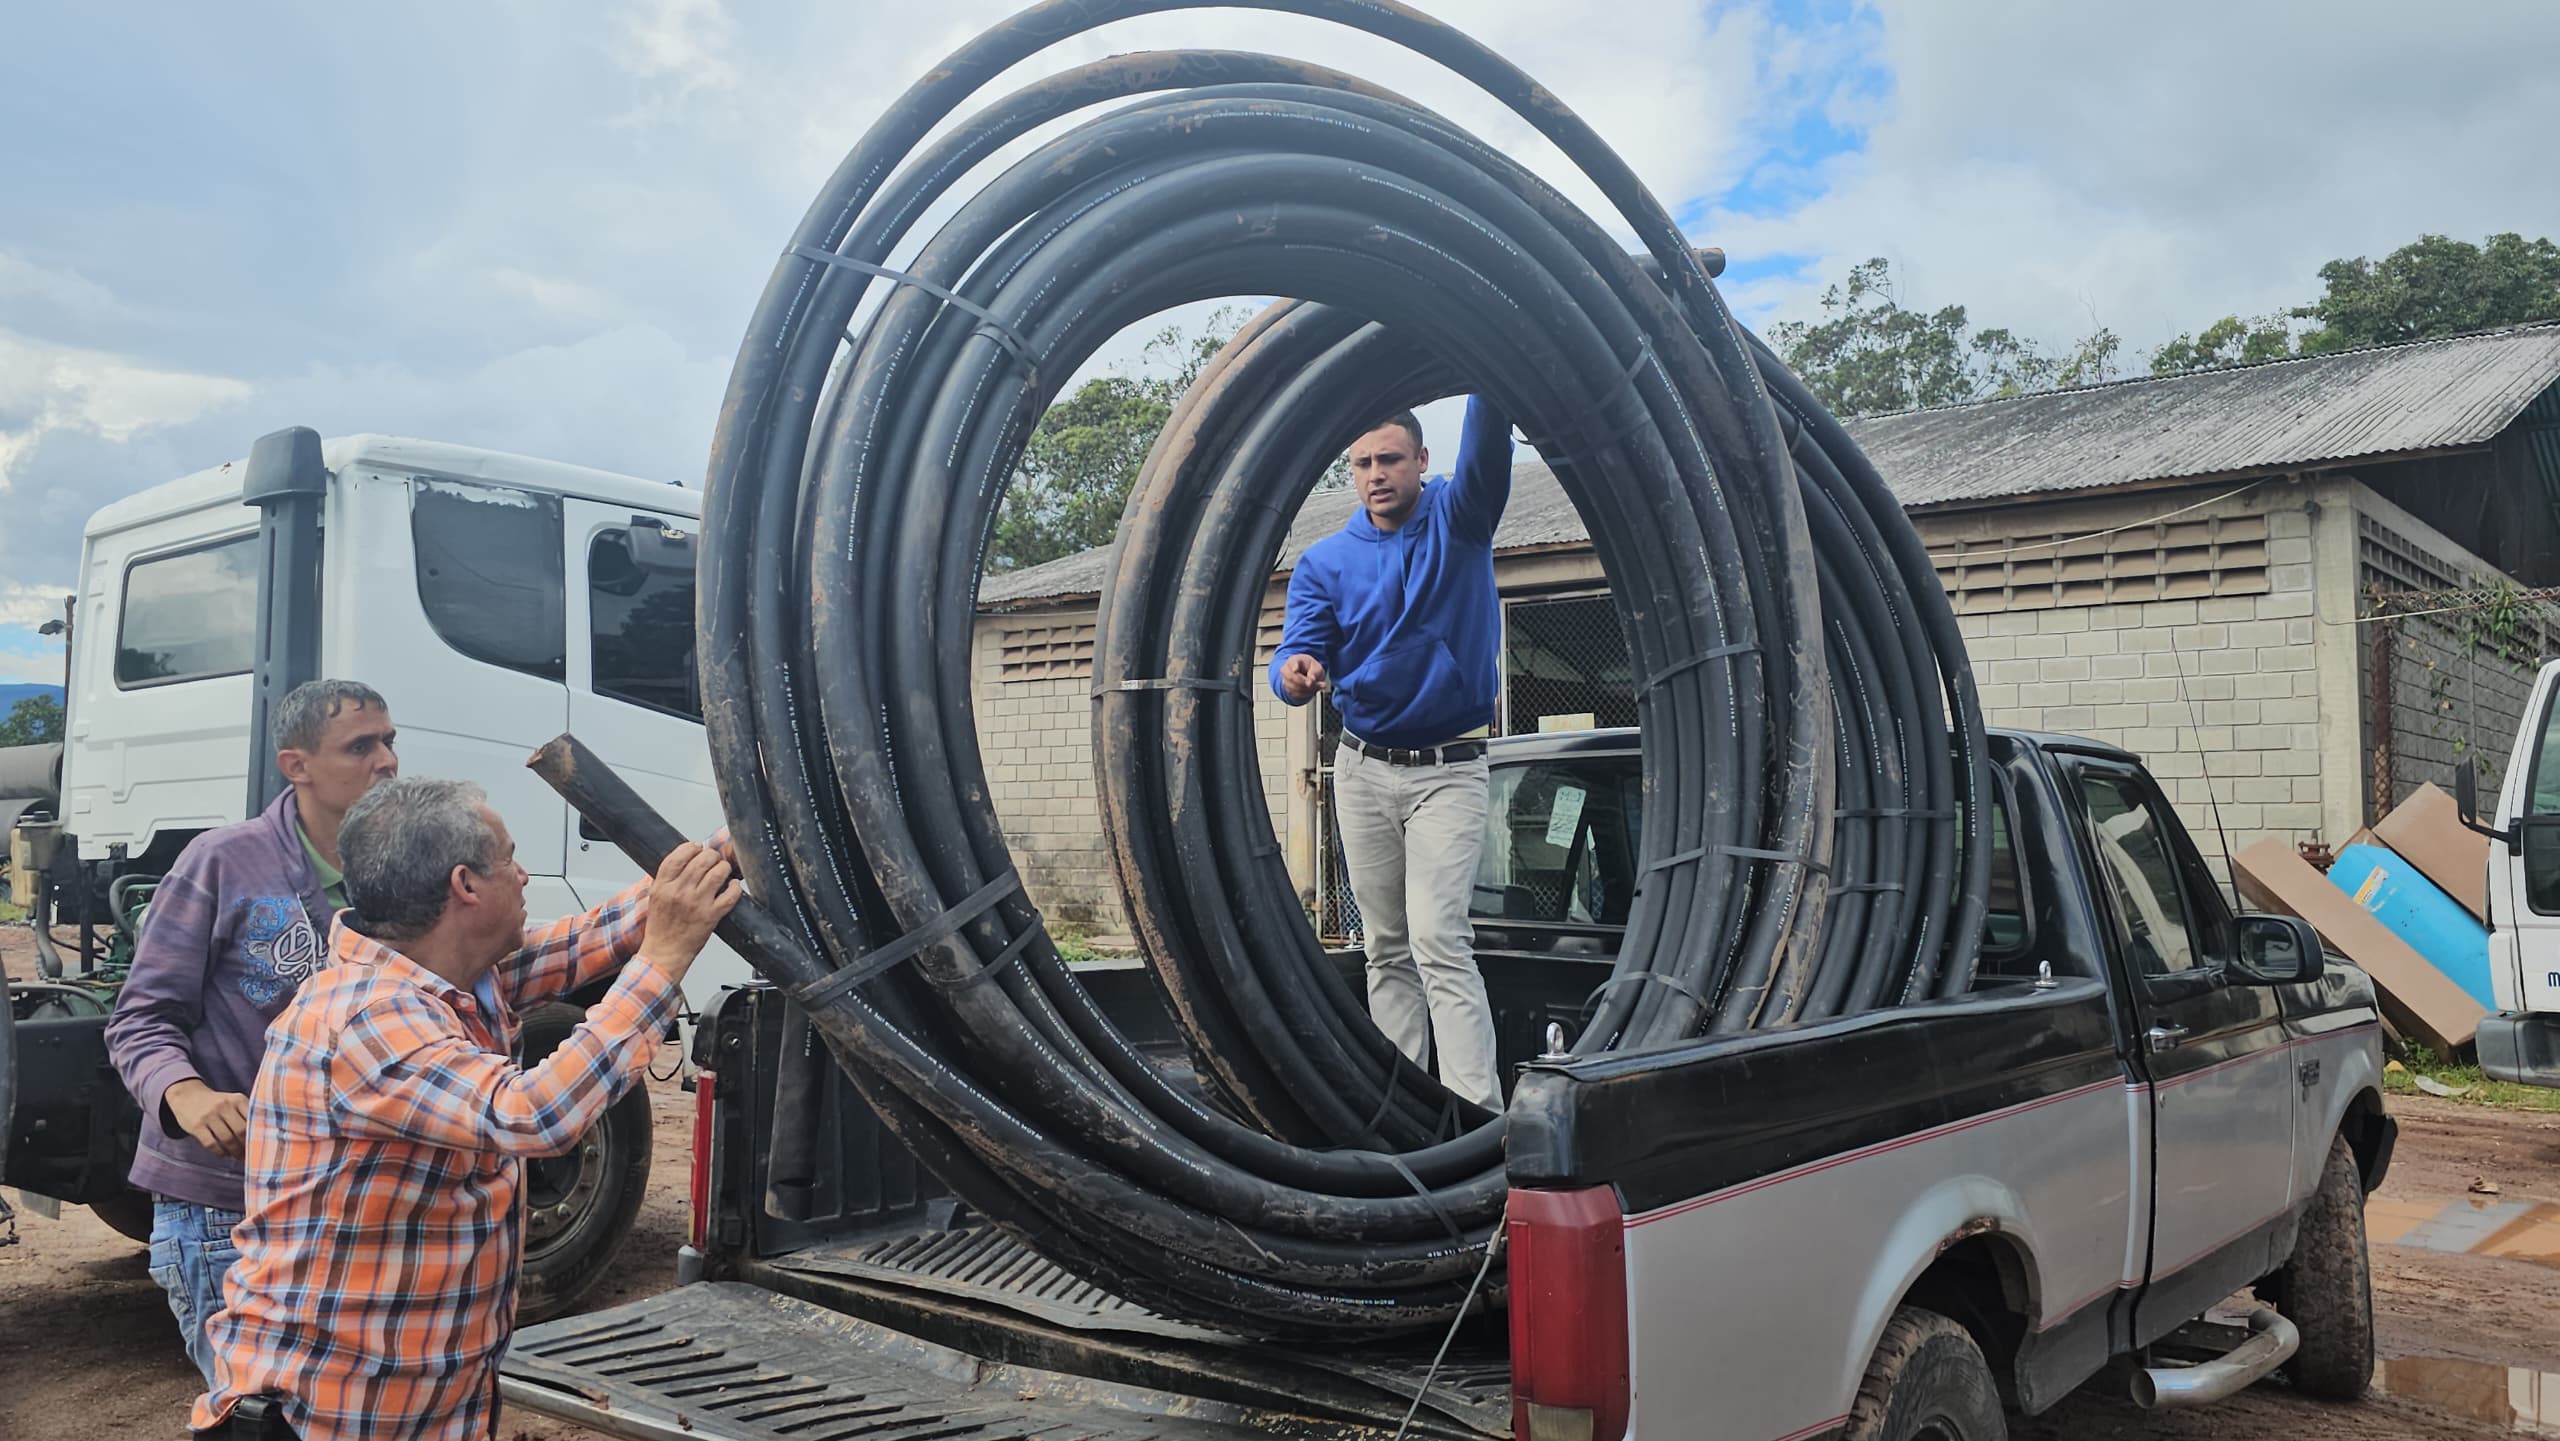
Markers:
point(578, 1208)
point(1928, 1382)
point(128, 1213)
point(2326, 1287)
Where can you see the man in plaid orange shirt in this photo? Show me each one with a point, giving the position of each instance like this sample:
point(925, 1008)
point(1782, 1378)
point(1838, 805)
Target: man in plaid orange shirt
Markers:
point(376, 1286)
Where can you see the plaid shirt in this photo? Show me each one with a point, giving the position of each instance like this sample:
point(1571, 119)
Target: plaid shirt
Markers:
point(376, 1286)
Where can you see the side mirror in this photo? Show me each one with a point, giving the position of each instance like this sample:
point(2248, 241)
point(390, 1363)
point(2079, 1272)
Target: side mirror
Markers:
point(2278, 951)
point(2466, 803)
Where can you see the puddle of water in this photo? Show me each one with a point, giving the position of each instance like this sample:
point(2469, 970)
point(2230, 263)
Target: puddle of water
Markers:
point(2512, 1398)
point(2526, 1231)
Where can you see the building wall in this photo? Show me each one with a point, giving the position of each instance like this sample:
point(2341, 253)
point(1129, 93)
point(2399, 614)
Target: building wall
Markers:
point(2457, 681)
point(2190, 640)
point(1033, 698)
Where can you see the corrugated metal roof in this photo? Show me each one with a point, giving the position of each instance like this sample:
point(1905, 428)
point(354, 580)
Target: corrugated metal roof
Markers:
point(2317, 410)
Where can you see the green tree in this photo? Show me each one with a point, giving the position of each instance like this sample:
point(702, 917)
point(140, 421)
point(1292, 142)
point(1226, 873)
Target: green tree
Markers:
point(36, 720)
point(2228, 341)
point(1869, 355)
point(2433, 286)
point(1084, 456)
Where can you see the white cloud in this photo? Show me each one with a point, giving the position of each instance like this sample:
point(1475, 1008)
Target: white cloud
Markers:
point(24, 282)
point(684, 44)
point(2054, 168)
point(29, 606)
point(48, 389)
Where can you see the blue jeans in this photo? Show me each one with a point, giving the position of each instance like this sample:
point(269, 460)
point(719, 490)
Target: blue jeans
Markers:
point(191, 1251)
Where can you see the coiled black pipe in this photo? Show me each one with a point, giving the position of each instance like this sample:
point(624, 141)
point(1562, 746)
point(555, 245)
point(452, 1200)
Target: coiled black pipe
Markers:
point(1761, 572)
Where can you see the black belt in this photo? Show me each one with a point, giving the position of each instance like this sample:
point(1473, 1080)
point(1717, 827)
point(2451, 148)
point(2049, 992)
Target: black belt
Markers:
point(252, 1418)
point(1440, 755)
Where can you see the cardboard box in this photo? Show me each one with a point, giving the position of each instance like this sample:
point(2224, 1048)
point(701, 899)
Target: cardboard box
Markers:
point(2426, 830)
point(2420, 1001)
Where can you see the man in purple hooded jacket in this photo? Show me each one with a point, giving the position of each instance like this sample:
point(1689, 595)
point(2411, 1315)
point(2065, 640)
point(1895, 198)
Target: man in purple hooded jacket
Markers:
point(235, 928)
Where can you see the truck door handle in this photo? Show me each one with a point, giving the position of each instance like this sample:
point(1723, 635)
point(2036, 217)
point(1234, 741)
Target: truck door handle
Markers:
point(2164, 1038)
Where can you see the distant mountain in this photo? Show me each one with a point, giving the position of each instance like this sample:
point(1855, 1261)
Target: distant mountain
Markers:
point(11, 694)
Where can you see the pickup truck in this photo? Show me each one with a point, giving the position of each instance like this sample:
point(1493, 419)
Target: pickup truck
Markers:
point(1901, 1224)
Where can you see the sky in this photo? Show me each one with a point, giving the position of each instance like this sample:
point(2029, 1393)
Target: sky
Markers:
point(541, 228)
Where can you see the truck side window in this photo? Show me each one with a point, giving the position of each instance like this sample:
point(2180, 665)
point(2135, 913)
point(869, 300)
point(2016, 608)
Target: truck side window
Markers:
point(2140, 876)
point(2005, 928)
point(490, 574)
point(640, 610)
point(2542, 796)
point(191, 615)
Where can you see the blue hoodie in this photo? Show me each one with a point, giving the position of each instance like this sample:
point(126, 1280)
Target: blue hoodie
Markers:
point(1407, 624)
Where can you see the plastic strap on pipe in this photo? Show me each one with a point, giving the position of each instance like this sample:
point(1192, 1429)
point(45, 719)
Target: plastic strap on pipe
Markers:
point(989, 325)
point(1739, 647)
point(1747, 853)
point(1656, 977)
point(1012, 952)
point(1623, 414)
point(1208, 685)
point(824, 990)
point(1889, 813)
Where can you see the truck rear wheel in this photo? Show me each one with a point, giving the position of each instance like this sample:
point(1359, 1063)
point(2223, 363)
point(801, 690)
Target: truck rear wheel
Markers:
point(2326, 1287)
point(578, 1208)
point(1928, 1382)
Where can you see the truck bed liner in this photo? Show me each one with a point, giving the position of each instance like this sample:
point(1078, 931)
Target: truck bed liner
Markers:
point(736, 1362)
point(1040, 1353)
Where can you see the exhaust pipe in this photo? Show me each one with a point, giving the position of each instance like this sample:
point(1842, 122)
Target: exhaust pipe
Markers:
point(2272, 1341)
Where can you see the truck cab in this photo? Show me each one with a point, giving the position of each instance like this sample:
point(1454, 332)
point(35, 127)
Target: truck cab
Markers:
point(2520, 1042)
point(495, 601)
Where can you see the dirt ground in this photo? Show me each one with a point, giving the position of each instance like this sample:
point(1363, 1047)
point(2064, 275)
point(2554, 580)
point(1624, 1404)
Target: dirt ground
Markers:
point(87, 1347)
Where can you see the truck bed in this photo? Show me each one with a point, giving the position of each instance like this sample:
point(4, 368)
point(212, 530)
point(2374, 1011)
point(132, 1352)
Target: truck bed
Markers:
point(965, 1332)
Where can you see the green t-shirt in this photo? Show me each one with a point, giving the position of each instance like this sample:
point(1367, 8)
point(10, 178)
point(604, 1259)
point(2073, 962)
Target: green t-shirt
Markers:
point(333, 883)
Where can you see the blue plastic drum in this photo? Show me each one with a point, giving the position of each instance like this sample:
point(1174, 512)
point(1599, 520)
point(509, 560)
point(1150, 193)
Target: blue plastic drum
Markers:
point(2411, 907)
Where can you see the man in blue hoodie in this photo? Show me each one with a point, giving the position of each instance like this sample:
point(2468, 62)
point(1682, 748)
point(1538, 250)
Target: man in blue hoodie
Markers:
point(1397, 614)
point(235, 928)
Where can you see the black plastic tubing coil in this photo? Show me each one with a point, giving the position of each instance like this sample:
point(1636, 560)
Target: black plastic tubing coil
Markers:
point(1813, 759)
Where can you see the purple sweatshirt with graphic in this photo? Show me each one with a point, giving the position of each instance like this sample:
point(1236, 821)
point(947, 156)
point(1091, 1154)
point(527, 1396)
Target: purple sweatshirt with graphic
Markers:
point(233, 931)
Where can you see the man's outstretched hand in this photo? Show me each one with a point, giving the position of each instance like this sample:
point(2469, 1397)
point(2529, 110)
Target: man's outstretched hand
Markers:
point(1301, 676)
point(693, 892)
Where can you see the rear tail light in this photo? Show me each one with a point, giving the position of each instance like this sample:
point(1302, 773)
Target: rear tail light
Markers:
point(1568, 1315)
point(705, 1129)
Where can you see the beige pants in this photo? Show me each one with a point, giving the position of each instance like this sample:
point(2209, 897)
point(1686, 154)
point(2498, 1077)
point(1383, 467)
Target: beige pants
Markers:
point(1410, 837)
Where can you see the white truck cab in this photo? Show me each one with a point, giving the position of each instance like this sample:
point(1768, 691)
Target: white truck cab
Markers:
point(495, 601)
point(2521, 1042)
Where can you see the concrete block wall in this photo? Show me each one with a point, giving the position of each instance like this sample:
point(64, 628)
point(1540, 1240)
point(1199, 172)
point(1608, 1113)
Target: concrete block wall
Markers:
point(1035, 733)
point(2219, 694)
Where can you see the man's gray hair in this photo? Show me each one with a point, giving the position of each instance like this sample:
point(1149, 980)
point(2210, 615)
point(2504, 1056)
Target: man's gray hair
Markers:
point(400, 845)
point(303, 716)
